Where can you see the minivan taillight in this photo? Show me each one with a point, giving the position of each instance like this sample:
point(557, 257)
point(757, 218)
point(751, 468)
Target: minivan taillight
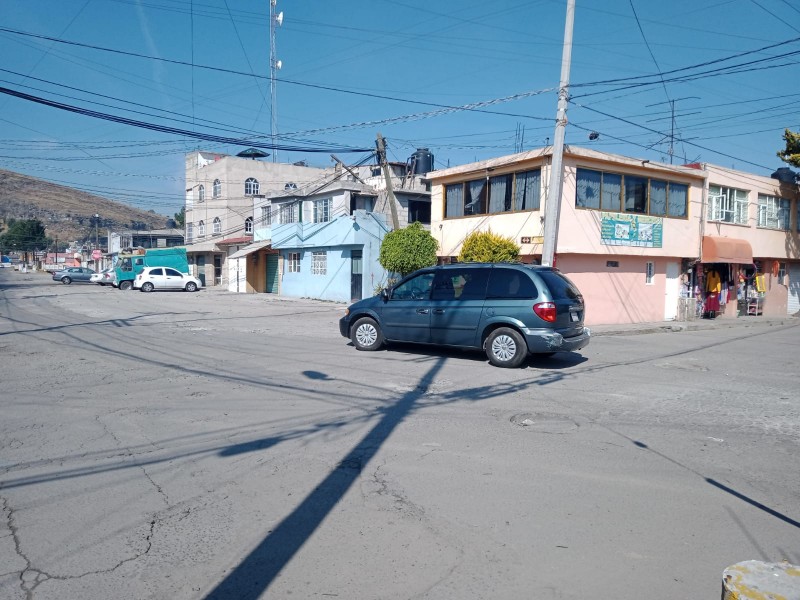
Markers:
point(546, 311)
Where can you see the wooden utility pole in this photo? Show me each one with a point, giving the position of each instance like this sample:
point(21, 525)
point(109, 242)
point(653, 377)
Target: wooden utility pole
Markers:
point(381, 145)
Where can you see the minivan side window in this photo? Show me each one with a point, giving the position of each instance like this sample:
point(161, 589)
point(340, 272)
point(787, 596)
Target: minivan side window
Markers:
point(510, 283)
point(416, 288)
point(460, 284)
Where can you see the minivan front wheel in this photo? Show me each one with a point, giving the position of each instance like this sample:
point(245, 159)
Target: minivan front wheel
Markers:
point(366, 334)
point(506, 348)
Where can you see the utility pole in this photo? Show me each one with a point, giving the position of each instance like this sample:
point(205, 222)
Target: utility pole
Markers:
point(381, 145)
point(553, 202)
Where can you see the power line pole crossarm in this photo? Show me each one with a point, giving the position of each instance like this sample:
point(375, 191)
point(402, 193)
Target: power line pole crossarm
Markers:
point(553, 202)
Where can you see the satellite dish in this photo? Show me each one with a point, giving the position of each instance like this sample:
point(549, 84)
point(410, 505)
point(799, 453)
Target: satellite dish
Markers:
point(279, 19)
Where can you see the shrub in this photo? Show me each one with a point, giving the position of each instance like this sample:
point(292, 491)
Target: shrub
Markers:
point(485, 246)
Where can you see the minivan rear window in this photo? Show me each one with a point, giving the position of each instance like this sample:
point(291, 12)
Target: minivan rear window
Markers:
point(510, 283)
point(560, 287)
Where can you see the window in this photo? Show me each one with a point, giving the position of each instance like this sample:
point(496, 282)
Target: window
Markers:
point(510, 283)
point(216, 190)
point(171, 272)
point(251, 186)
point(650, 270)
point(217, 226)
point(460, 284)
point(266, 215)
point(319, 263)
point(289, 212)
point(322, 210)
point(599, 190)
point(416, 288)
point(201, 229)
point(189, 232)
point(493, 195)
point(560, 286)
point(773, 212)
point(727, 205)
point(781, 272)
point(419, 210)
point(294, 262)
point(248, 226)
point(157, 272)
point(201, 193)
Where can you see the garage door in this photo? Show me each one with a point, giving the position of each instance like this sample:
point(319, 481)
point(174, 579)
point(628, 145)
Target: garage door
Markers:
point(794, 288)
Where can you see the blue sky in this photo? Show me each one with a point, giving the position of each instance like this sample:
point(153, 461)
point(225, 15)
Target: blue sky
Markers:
point(469, 80)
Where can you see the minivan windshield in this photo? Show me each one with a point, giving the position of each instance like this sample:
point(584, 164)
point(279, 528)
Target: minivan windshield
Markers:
point(560, 287)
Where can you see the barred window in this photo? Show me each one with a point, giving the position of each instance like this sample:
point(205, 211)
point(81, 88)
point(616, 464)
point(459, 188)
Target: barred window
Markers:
point(319, 263)
point(266, 215)
point(773, 212)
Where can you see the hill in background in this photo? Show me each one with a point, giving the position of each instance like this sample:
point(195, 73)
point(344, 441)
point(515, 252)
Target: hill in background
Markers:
point(67, 213)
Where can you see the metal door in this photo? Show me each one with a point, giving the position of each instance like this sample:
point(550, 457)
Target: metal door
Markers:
point(201, 269)
point(273, 261)
point(671, 291)
point(356, 275)
point(794, 288)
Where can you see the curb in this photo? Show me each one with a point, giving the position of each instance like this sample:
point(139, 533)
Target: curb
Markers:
point(677, 327)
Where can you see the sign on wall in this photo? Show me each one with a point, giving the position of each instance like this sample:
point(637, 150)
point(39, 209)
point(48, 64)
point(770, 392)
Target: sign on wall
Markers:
point(618, 229)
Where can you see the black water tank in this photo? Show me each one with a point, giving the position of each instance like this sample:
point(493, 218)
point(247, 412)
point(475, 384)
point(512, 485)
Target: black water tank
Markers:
point(422, 161)
point(785, 175)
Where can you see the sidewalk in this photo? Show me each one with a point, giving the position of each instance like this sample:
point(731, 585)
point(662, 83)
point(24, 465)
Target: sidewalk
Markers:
point(697, 325)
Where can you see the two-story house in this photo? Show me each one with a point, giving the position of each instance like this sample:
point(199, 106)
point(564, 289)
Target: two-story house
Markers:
point(639, 238)
point(220, 191)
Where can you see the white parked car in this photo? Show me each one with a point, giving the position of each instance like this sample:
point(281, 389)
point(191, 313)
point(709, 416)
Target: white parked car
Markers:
point(104, 277)
point(165, 278)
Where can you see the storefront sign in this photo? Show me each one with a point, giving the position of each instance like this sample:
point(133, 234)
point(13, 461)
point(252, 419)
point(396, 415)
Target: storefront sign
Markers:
point(619, 229)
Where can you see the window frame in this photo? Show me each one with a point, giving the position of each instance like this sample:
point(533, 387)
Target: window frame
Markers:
point(650, 273)
point(477, 194)
point(617, 196)
point(319, 262)
point(216, 189)
point(201, 229)
point(217, 226)
point(248, 226)
point(728, 202)
point(251, 186)
point(781, 211)
point(293, 262)
point(323, 206)
point(201, 193)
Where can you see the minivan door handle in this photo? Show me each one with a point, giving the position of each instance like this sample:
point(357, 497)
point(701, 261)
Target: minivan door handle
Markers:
point(422, 311)
point(438, 311)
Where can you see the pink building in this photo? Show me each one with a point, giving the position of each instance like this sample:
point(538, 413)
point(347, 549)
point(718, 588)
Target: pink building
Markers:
point(643, 241)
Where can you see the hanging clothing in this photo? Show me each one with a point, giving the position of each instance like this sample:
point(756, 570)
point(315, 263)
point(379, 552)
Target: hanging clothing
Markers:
point(712, 302)
point(713, 282)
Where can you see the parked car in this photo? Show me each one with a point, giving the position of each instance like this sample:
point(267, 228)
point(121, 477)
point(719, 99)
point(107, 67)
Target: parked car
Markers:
point(165, 278)
point(76, 274)
point(507, 310)
point(104, 277)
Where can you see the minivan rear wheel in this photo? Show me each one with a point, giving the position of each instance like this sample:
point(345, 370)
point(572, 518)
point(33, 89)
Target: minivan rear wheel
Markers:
point(366, 334)
point(506, 348)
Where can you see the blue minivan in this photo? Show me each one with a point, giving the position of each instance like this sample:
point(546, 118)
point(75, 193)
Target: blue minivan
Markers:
point(509, 310)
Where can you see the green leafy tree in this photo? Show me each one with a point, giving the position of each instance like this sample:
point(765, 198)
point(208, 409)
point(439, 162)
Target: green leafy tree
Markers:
point(485, 246)
point(24, 235)
point(791, 154)
point(180, 218)
point(405, 250)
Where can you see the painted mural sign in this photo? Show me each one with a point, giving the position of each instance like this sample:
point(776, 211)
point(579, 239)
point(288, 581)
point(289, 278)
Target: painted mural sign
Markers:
point(618, 229)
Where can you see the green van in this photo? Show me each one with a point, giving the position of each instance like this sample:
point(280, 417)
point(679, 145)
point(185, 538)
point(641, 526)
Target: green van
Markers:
point(508, 310)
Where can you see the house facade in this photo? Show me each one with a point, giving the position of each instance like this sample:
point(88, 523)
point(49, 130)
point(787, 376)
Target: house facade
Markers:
point(640, 239)
point(220, 193)
point(322, 239)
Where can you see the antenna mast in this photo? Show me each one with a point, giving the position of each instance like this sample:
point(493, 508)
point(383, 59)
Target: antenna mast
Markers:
point(275, 20)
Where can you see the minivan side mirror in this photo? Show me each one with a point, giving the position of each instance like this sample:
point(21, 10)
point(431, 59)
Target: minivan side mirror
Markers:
point(385, 294)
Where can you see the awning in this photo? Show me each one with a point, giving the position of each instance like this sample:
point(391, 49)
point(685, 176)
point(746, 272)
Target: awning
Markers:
point(250, 249)
point(727, 250)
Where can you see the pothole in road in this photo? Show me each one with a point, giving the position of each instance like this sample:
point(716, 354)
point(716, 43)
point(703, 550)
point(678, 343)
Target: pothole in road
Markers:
point(545, 423)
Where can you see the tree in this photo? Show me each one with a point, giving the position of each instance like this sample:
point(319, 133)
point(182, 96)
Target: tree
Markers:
point(485, 246)
point(180, 217)
point(24, 236)
point(791, 154)
point(405, 250)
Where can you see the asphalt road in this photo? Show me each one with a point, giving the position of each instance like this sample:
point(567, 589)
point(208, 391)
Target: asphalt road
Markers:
point(213, 445)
